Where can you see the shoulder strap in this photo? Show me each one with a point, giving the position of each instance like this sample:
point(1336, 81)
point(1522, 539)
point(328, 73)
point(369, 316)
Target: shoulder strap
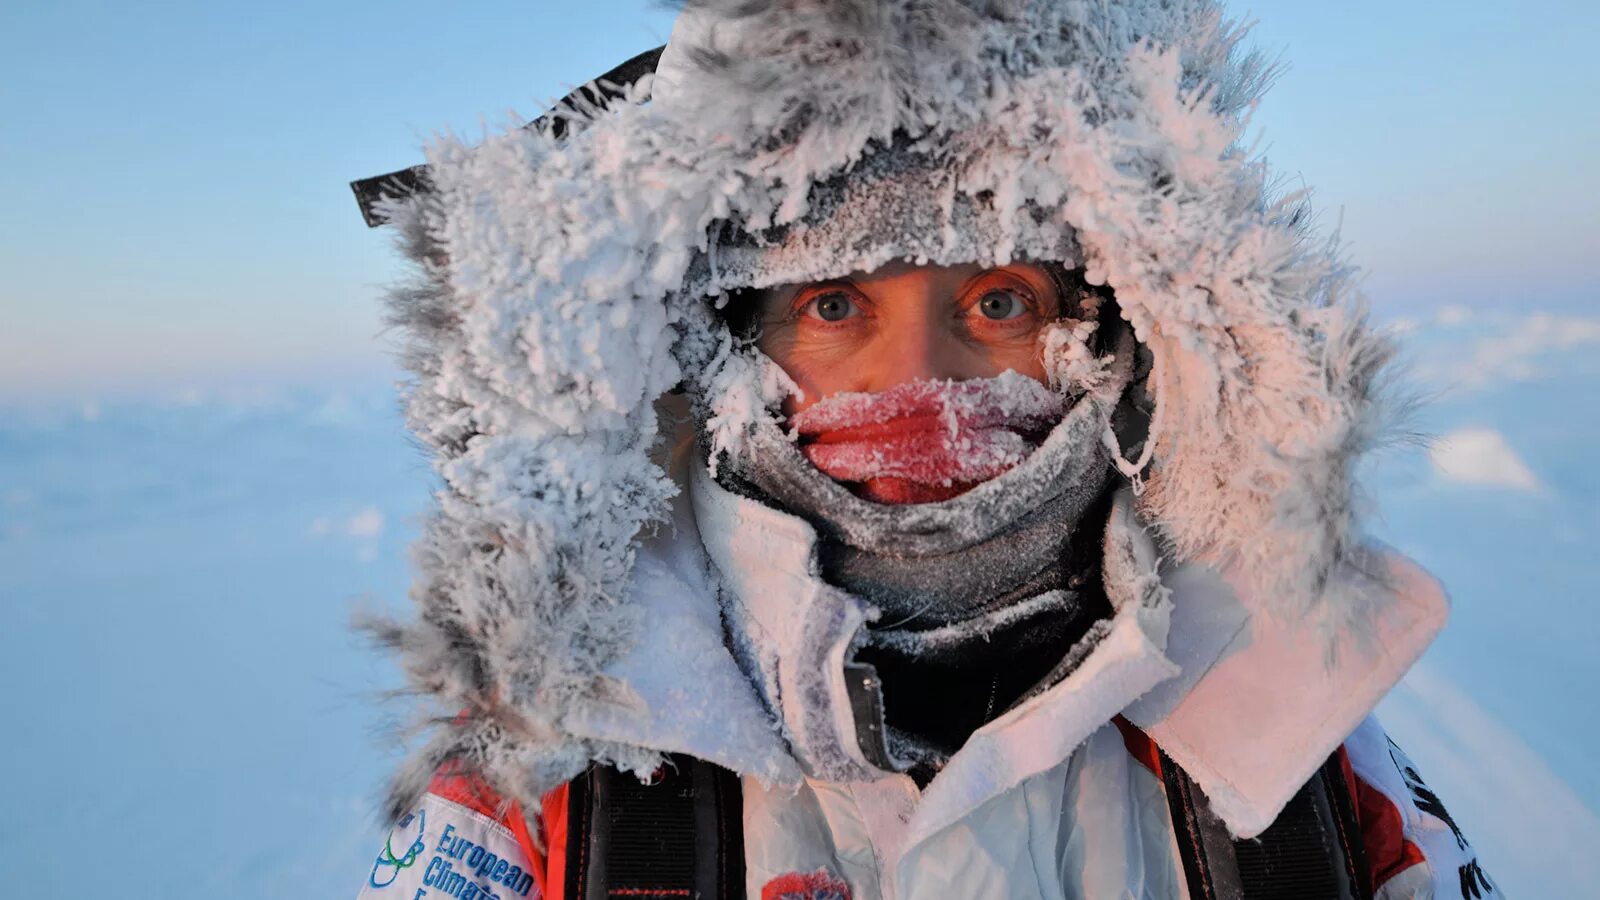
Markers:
point(1312, 850)
point(681, 835)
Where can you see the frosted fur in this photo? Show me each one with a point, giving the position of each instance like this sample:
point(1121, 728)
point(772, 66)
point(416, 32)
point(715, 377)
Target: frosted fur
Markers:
point(562, 287)
point(1119, 124)
point(523, 564)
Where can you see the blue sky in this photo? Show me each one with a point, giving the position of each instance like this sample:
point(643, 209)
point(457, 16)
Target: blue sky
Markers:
point(175, 175)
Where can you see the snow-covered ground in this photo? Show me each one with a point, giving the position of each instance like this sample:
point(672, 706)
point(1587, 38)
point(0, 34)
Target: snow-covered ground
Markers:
point(187, 714)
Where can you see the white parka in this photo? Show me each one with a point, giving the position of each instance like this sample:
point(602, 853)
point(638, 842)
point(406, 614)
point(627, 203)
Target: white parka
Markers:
point(1048, 801)
point(577, 583)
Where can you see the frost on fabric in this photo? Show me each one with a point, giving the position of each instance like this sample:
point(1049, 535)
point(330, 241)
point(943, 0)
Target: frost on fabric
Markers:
point(562, 286)
point(1007, 400)
point(736, 389)
point(1264, 373)
point(1071, 364)
point(977, 628)
point(937, 432)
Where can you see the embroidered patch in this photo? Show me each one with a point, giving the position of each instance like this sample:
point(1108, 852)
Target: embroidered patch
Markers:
point(446, 849)
point(818, 885)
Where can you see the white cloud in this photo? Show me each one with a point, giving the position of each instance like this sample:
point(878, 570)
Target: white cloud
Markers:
point(1517, 351)
point(367, 523)
point(1481, 456)
point(1451, 315)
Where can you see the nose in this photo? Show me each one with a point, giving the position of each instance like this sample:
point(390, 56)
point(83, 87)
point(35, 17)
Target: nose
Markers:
point(920, 347)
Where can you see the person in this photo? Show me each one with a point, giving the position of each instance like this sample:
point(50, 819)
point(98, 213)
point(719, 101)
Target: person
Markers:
point(900, 449)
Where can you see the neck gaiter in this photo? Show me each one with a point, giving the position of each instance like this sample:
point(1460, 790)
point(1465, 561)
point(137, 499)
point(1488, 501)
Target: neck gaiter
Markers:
point(981, 594)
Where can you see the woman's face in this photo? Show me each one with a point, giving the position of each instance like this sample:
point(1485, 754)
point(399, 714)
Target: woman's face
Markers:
point(901, 323)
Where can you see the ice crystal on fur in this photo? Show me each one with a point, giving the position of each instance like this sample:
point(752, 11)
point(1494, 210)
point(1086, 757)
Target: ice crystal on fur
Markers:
point(563, 280)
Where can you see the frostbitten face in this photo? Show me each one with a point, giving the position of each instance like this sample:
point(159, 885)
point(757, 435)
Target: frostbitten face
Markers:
point(867, 333)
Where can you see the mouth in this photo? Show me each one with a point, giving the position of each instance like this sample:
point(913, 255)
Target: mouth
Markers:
point(926, 441)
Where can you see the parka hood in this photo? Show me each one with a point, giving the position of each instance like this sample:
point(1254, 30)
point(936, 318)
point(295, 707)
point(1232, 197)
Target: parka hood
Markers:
point(567, 279)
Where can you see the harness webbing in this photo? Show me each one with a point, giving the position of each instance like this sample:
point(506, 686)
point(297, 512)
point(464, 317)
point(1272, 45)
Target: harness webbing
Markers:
point(1312, 851)
point(680, 836)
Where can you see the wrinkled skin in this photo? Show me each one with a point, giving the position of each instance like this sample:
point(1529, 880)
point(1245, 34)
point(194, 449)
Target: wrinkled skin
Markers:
point(902, 323)
point(906, 326)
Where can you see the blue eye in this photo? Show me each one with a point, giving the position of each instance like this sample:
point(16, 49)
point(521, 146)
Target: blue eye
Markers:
point(1001, 305)
point(832, 307)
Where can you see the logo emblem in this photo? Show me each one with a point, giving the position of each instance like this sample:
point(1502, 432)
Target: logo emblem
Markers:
point(818, 885)
point(390, 865)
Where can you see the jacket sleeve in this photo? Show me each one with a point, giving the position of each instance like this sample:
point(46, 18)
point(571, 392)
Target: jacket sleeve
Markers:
point(461, 841)
point(1414, 850)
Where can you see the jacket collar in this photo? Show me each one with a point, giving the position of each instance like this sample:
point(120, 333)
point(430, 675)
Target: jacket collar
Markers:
point(1247, 705)
point(1260, 703)
point(803, 632)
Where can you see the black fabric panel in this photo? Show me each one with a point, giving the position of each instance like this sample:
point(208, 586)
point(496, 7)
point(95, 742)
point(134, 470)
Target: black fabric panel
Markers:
point(861, 682)
point(1183, 802)
point(1349, 827)
point(1301, 855)
point(679, 836)
point(643, 836)
point(1312, 851)
point(403, 183)
point(727, 812)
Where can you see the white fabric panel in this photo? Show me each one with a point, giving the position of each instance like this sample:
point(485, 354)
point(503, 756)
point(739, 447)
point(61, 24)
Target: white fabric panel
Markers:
point(1452, 868)
point(1267, 711)
point(443, 849)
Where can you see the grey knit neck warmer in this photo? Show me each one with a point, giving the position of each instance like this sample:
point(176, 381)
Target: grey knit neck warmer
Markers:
point(985, 598)
point(933, 564)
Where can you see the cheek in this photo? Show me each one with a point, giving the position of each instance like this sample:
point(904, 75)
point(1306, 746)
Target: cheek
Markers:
point(818, 374)
point(988, 353)
point(1024, 359)
point(817, 379)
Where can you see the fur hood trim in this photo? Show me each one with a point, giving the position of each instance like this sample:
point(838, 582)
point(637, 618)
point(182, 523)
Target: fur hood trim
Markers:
point(550, 312)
